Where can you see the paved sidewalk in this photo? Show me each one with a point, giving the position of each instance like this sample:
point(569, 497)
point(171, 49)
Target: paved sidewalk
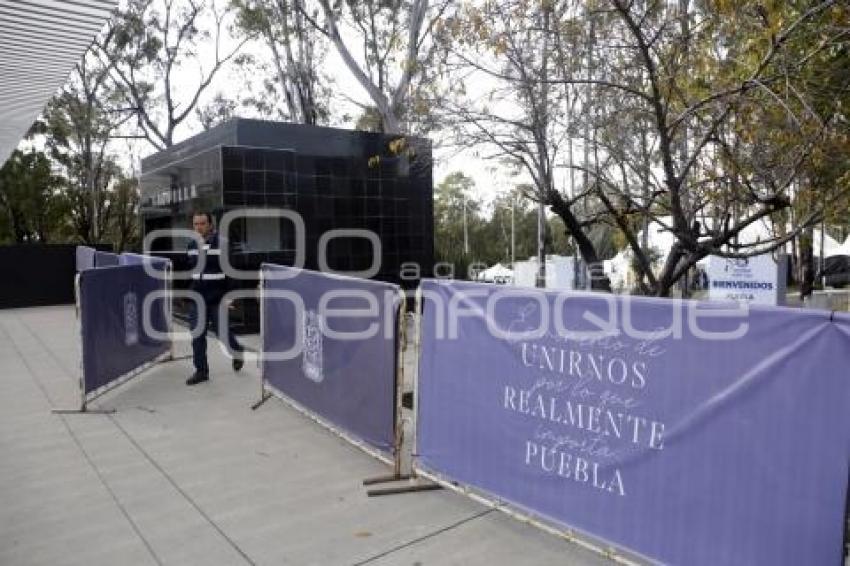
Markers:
point(185, 475)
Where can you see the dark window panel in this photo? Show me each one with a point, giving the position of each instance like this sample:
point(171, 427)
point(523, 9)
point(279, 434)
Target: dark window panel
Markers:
point(342, 188)
point(275, 161)
point(274, 182)
point(323, 166)
point(306, 185)
point(234, 198)
point(275, 199)
point(255, 182)
point(231, 157)
point(305, 165)
point(255, 199)
point(323, 185)
point(339, 167)
point(255, 159)
point(233, 180)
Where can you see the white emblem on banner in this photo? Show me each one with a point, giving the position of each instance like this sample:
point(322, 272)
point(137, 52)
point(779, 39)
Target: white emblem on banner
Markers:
point(311, 360)
point(131, 319)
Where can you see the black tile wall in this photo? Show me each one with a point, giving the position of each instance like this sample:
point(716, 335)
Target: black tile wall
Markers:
point(390, 196)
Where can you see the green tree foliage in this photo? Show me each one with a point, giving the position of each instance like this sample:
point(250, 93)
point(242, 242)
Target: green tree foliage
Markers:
point(293, 87)
point(488, 228)
point(706, 117)
point(33, 206)
point(155, 44)
point(387, 48)
point(454, 199)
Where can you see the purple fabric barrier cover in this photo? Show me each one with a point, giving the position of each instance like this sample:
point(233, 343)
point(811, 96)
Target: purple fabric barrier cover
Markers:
point(683, 450)
point(113, 334)
point(128, 258)
point(106, 259)
point(85, 258)
point(350, 383)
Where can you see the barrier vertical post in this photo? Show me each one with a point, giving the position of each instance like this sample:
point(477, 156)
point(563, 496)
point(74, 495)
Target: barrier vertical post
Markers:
point(397, 475)
point(417, 353)
point(399, 387)
point(169, 306)
point(264, 395)
point(398, 440)
point(80, 342)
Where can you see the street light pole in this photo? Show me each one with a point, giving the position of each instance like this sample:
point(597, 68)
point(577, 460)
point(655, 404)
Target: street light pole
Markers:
point(541, 252)
point(465, 229)
point(513, 229)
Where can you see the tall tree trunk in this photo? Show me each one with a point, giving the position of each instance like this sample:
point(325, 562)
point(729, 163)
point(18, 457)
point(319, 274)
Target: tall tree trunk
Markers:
point(598, 280)
point(807, 263)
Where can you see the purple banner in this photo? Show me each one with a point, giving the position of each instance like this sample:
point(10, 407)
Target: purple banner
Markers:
point(128, 258)
point(342, 368)
point(106, 259)
point(684, 431)
point(113, 333)
point(85, 258)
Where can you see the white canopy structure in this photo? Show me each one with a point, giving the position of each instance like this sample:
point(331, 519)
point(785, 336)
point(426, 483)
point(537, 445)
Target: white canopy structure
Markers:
point(40, 41)
point(843, 249)
point(830, 246)
point(496, 274)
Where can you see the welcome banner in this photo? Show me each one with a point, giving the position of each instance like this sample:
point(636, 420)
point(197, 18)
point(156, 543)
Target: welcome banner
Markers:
point(329, 344)
point(689, 433)
point(114, 339)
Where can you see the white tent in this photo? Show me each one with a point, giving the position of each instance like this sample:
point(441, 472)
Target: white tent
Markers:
point(844, 249)
point(661, 240)
point(618, 269)
point(830, 246)
point(496, 274)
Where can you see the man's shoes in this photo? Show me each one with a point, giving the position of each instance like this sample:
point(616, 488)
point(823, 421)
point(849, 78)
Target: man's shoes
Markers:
point(198, 377)
point(237, 364)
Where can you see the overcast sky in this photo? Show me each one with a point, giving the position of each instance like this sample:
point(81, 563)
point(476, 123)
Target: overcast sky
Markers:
point(490, 177)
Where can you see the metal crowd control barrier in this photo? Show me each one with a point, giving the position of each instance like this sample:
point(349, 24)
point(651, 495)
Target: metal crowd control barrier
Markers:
point(743, 458)
point(147, 354)
point(320, 397)
point(84, 257)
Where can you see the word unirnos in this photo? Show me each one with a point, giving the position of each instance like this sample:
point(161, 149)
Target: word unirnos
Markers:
point(613, 370)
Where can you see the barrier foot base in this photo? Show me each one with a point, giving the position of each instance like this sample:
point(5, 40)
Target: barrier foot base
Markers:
point(386, 479)
point(83, 411)
point(403, 489)
point(262, 400)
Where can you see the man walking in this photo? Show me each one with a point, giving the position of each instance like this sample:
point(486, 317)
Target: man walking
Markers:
point(211, 284)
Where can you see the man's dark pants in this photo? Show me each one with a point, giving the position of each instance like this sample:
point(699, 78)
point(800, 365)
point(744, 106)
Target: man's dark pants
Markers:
point(199, 344)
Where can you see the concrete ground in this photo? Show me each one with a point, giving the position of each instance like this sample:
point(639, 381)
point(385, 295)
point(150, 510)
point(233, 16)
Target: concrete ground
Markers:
point(190, 476)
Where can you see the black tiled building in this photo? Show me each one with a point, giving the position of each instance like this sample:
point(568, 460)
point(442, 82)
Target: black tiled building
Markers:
point(333, 178)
